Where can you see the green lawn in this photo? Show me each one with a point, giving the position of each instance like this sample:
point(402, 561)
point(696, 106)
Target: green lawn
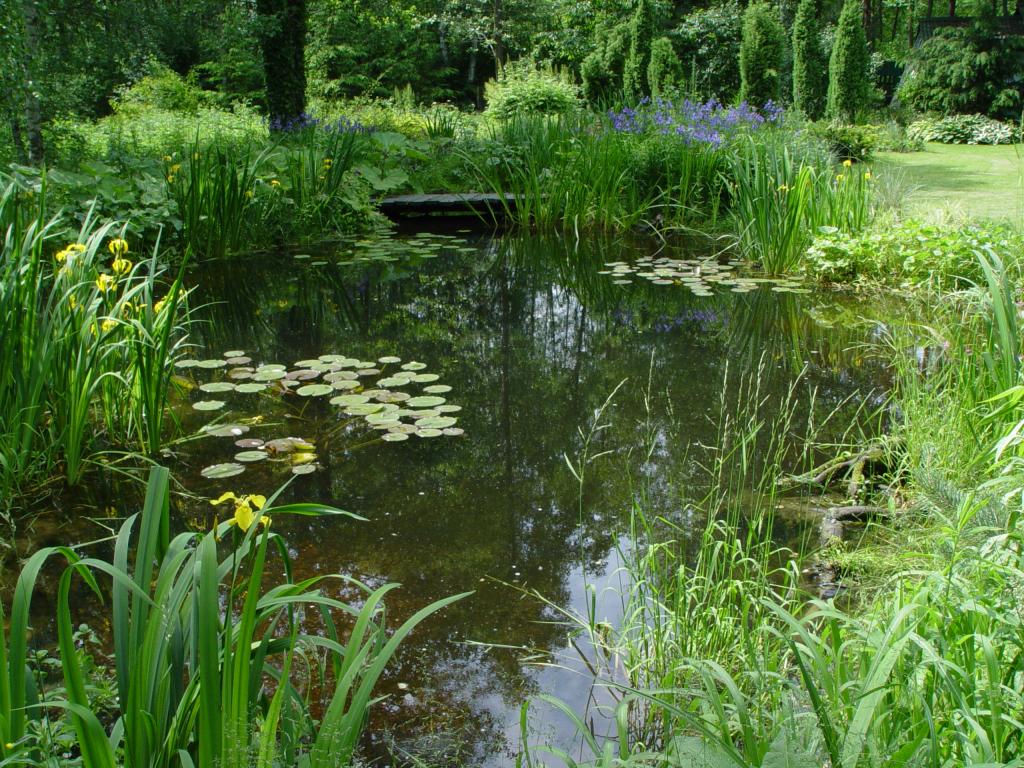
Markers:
point(979, 182)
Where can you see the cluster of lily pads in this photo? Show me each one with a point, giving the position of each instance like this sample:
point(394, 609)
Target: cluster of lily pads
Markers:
point(426, 245)
point(701, 276)
point(394, 398)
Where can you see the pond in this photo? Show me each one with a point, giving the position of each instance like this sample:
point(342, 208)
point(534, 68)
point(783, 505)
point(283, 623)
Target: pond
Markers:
point(532, 339)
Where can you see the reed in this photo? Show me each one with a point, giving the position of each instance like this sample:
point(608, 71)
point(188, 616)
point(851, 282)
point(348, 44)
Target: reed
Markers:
point(197, 637)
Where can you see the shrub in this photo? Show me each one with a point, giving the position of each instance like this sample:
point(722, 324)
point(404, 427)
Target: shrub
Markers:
point(911, 252)
point(664, 72)
point(761, 53)
point(849, 87)
point(708, 42)
point(524, 87)
point(163, 89)
point(966, 71)
point(848, 142)
point(963, 129)
point(634, 75)
point(810, 79)
point(601, 70)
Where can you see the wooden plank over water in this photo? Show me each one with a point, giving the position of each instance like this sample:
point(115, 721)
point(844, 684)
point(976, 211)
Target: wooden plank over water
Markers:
point(492, 205)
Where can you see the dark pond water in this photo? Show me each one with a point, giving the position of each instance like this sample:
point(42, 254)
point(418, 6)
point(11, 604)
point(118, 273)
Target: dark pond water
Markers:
point(532, 340)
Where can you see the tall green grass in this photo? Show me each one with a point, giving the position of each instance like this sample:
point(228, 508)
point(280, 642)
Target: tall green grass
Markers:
point(203, 649)
point(926, 670)
point(575, 174)
point(88, 338)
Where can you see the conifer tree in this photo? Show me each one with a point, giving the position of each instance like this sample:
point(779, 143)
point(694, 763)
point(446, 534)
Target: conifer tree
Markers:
point(641, 32)
point(810, 76)
point(848, 83)
point(664, 72)
point(761, 54)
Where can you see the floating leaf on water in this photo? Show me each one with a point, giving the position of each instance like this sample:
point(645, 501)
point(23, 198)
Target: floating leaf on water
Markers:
point(304, 469)
point(437, 389)
point(240, 374)
point(662, 282)
point(303, 374)
point(186, 364)
point(331, 358)
point(303, 457)
point(349, 400)
point(309, 363)
point(234, 353)
point(217, 386)
point(300, 256)
point(344, 384)
point(425, 401)
point(340, 376)
point(394, 437)
point(220, 471)
point(314, 390)
point(250, 387)
point(249, 456)
point(317, 263)
point(436, 422)
point(208, 405)
point(407, 429)
point(225, 430)
point(271, 375)
point(425, 378)
point(622, 282)
point(448, 408)
point(389, 360)
point(367, 372)
point(249, 442)
point(454, 431)
point(272, 367)
point(240, 360)
point(210, 364)
point(413, 366)
point(393, 381)
point(429, 432)
point(392, 397)
point(363, 409)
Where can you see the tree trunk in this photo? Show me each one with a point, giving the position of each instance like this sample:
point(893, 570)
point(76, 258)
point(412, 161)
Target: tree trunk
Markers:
point(952, 8)
point(17, 139)
point(499, 43)
point(284, 59)
point(33, 112)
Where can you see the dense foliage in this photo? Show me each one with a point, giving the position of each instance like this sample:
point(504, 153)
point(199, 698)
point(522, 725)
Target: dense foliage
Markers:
point(810, 67)
point(761, 55)
point(963, 129)
point(977, 69)
point(849, 84)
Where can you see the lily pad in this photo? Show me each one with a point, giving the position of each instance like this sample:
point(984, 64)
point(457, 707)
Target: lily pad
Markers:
point(249, 442)
point(429, 433)
point(425, 401)
point(314, 390)
point(302, 374)
point(389, 360)
point(220, 471)
point(240, 360)
point(349, 400)
point(240, 374)
point(234, 353)
point(217, 386)
point(211, 364)
point(248, 456)
point(446, 408)
point(453, 431)
point(437, 389)
point(250, 387)
point(269, 375)
point(208, 405)
point(363, 409)
point(344, 384)
point(436, 422)
point(304, 469)
point(186, 364)
point(392, 381)
point(425, 378)
point(394, 437)
point(225, 430)
point(413, 366)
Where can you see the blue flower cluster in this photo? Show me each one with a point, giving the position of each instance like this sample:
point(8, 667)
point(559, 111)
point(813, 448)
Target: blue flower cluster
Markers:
point(709, 122)
point(306, 121)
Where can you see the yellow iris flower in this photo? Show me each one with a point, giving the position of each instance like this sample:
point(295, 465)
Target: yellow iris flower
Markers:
point(118, 247)
point(121, 266)
point(847, 163)
point(104, 283)
point(247, 508)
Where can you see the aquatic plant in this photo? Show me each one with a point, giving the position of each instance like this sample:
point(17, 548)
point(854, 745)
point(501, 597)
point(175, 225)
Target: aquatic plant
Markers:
point(395, 399)
point(80, 327)
point(204, 652)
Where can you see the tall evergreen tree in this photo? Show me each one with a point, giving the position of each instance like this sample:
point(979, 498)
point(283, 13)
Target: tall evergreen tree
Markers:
point(849, 88)
point(283, 38)
point(761, 55)
point(664, 72)
point(810, 76)
point(641, 33)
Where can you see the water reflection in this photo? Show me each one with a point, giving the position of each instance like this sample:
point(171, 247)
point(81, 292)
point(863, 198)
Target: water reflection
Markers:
point(533, 340)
